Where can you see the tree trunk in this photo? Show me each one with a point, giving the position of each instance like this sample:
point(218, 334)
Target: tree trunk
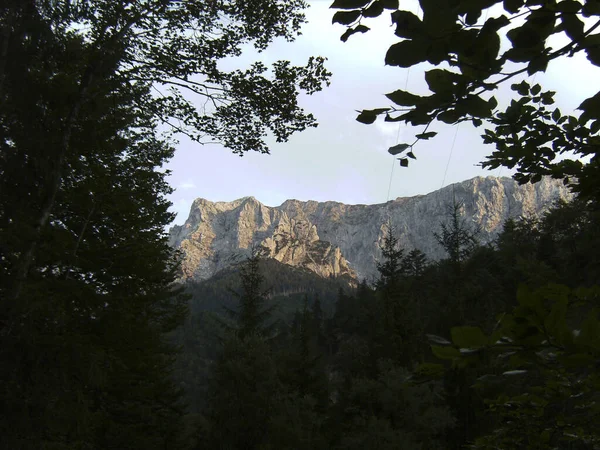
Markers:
point(108, 51)
point(54, 185)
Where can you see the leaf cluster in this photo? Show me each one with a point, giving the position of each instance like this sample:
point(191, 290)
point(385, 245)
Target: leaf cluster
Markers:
point(462, 39)
point(552, 366)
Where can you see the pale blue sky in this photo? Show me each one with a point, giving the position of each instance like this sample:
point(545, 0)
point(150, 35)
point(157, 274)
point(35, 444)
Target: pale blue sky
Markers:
point(344, 160)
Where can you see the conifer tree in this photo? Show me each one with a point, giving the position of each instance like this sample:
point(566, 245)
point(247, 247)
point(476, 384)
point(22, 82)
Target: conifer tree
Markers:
point(414, 263)
point(86, 273)
point(245, 385)
point(390, 269)
point(309, 370)
point(391, 296)
point(455, 237)
point(102, 269)
point(243, 395)
point(251, 314)
point(459, 242)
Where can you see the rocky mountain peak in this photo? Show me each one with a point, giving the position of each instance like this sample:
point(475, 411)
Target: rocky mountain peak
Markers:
point(332, 238)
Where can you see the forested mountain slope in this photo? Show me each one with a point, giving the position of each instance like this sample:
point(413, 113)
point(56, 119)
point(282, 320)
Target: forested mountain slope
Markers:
point(432, 355)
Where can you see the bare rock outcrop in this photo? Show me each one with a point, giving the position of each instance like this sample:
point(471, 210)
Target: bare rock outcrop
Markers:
point(333, 239)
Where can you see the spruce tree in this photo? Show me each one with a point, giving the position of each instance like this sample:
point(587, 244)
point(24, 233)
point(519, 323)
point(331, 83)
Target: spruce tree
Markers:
point(390, 268)
point(243, 395)
point(251, 315)
point(306, 366)
point(391, 332)
point(455, 237)
point(86, 274)
point(245, 387)
point(82, 348)
point(415, 263)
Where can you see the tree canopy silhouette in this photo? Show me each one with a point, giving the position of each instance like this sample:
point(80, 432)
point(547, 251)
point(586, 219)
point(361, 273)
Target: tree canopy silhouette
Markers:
point(462, 38)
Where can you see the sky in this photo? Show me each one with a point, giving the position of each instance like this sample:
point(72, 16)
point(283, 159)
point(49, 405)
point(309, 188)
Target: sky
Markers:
point(342, 159)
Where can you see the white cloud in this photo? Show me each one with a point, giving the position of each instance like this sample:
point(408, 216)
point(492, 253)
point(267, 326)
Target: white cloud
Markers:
point(186, 185)
point(388, 128)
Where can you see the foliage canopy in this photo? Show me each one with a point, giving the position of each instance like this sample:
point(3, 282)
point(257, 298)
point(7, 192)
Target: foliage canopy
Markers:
point(87, 292)
point(462, 39)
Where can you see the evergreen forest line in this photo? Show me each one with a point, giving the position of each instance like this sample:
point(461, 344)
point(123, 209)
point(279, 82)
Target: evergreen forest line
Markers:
point(100, 349)
point(416, 359)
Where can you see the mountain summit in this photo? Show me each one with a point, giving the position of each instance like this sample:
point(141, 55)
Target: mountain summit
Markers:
point(333, 239)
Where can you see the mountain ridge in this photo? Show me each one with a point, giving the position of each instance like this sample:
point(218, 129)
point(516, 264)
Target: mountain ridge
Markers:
point(332, 238)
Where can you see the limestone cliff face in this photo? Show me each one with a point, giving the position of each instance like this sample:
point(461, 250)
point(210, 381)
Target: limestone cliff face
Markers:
point(332, 238)
point(219, 234)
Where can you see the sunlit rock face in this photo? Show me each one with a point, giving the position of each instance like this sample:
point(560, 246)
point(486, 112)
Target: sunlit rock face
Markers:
point(333, 239)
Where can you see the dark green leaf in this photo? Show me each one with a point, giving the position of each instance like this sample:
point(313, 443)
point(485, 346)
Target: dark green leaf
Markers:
point(468, 337)
point(523, 54)
point(513, 6)
point(475, 106)
point(425, 136)
point(548, 97)
point(406, 53)
point(389, 118)
point(366, 117)
point(407, 24)
point(487, 48)
point(449, 116)
point(404, 98)
point(437, 52)
point(556, 115)
point(399, 148)
point(537, 65)
point(592, 48)
point(522, 88)
point(440, 80)
point(404, 162)
point(523, 37)
point(536, 89)
point(568, 6)
point(374, 10)
point(472, 17)
point(574, 27)
point(411, 155)
point(438, 18)
point(416, 117)
point(349, 4)
point(593, 55)
point(350, 31)
point(495, 23)
point(390, 4)
point(590, 108)
point(345, 17)
point(591, 8)
point(445, 352)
